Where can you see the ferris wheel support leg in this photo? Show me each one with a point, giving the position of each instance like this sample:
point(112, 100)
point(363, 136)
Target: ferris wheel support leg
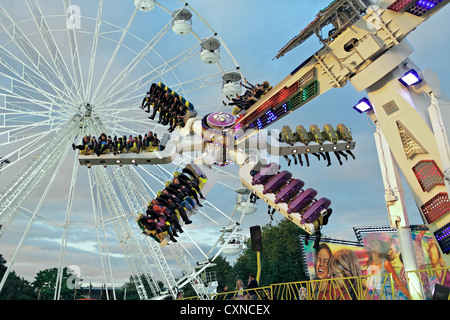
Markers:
point(398, 217)
point(190, 272)
point(102, 245)
point(66, 230)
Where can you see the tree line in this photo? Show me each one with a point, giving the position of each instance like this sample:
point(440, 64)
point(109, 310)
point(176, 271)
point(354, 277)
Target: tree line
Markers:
point(281, 261)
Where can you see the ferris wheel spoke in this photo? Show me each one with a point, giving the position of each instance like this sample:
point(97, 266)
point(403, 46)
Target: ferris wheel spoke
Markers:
point(144, 195)
point(16, 133)
point(18, 117)
point(94, 50)
point(139, 186)
point(23, 107)
point(203, 254)
point(75, 58)
point(125, 103)
point(163, 7)
point(120, 105)
point(165, 173)
point(28, 78)
point(24, 144)
point(30, 106)
point(210, 205)
point(149, 77)
point(39, 65)
point(198, 83)
point(203, 212)
point(31, 176)
point(160, 178)
point(135, 62)
point(114, 54)
point(28, 214)
point(117, 120)
point(33, 218)
point(66, 227)
point(53, 50)
point(118, 126)
point(137, 261)
point(125, 185)
point(19, 104)
point(99, 223)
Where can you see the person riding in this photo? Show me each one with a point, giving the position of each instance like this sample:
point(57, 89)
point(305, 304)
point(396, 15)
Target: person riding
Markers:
point(152, 224)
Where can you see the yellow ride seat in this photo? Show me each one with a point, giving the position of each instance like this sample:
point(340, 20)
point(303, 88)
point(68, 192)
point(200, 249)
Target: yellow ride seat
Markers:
point(343, 133)
point(235, 111)
point(330, 134)
point(287, 135)
point(302, 134)
point(150, 148)
point(315, 134)
point(202, 182)
point(86, 151)
point(134, 148)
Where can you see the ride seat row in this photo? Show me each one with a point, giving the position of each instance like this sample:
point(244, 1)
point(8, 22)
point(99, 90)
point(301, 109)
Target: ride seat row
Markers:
point(290, 191)
point(328, 133)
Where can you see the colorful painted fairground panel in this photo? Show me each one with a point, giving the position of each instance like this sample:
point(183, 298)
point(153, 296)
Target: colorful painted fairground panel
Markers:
point(376, 260)
point(333, 260)
point(385, 256)
point(317, 260)
point(429, 256)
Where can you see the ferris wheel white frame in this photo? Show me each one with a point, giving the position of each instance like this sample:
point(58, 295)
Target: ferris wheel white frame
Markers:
point(38, 75)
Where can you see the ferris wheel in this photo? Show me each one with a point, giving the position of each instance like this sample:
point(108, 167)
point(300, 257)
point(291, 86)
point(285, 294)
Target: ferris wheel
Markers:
point(75, 68)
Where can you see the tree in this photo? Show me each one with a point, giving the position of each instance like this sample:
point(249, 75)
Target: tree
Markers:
point(281, 259)
point(224, 273)
point(45, 283)
point(131, 291)
point(15, 288)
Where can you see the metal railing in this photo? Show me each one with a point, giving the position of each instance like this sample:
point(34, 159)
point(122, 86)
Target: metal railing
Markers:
point(428, 278)
point(261, 293)
point(367, 287)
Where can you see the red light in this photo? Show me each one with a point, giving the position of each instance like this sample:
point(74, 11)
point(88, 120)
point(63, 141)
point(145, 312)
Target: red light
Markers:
point(399, 5)
point(428, 174)
point(277, 98)
point(436, 207)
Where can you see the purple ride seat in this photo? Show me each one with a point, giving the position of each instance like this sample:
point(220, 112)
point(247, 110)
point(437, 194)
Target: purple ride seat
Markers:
point(267, 172)
point(289, 191)
point(313, 212)
point(278, 181)
point(302, 200)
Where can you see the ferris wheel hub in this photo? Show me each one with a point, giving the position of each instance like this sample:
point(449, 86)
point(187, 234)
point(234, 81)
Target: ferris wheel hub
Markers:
point(86, 109)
